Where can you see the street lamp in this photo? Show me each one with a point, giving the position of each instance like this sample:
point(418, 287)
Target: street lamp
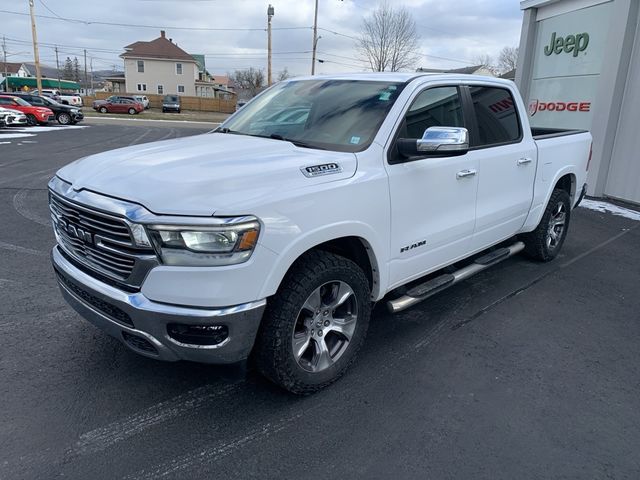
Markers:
point(270, 13)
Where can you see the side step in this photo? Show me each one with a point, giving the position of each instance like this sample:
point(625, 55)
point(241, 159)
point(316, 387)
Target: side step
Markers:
point(427, 289)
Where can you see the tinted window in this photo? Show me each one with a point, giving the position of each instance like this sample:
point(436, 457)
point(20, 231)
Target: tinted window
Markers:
point(496, 114)
point(434, 107)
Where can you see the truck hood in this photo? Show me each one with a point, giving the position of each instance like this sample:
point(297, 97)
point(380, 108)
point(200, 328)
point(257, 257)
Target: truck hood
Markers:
point(204, 174)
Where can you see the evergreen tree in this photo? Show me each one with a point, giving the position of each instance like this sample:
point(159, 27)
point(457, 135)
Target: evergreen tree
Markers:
point(76, 69)
point(67, 72)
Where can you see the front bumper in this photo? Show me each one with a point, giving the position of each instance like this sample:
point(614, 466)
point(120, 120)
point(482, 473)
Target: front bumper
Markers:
point(142, 325)
point(77, 116)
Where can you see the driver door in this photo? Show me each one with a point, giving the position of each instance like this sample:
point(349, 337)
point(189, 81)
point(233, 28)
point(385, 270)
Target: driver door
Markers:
point(433, 199)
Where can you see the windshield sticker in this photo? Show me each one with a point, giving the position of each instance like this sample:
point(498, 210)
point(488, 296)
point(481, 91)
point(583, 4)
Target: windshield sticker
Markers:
point(384, 96)
point(355, 140)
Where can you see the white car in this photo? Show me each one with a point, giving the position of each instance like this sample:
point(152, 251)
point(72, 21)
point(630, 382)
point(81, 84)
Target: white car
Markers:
point(143, 100)
point(10, 117)
point(73, 99)
point(276, 234)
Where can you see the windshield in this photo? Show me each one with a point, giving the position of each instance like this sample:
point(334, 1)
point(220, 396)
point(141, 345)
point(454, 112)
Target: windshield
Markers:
point(22, 102)
point(342, 115)
point(170, 98)
point(50, 101)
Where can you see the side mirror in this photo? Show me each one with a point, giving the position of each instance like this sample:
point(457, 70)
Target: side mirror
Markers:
point(436, 141)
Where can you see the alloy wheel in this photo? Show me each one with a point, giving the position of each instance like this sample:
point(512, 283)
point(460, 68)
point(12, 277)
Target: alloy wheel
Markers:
point(556, 226)
point(325, 326)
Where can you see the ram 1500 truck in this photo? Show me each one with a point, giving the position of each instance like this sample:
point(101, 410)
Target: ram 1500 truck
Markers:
point(273, 235)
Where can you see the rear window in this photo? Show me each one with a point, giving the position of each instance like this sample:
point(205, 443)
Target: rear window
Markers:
point(496, 116)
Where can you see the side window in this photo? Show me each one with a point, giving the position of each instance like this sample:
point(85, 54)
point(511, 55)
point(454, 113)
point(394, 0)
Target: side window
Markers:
point(434, 107)
point(178, 68)
point(140, 66)
point(5, 101)
point(496, 116)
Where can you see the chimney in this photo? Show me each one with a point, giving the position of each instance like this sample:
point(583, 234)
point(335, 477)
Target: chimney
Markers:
point(162, 33)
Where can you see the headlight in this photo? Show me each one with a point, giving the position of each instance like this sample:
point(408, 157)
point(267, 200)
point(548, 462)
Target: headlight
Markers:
point(74, 110)
point(205, 246)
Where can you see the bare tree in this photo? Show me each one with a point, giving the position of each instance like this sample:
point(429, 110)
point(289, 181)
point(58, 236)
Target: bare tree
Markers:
point(389, 40)
point(248, 82)
point(283, 75)
point(508, 59)
point(486, 61)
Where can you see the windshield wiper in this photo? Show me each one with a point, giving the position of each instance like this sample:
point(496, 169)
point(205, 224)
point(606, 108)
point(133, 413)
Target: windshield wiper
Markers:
point(297, 143)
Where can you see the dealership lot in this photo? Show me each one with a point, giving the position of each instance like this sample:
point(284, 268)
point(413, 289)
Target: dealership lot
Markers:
point(525, 371)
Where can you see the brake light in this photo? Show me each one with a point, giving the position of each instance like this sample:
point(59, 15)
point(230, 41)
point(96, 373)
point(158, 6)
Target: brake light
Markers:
point(590, 154)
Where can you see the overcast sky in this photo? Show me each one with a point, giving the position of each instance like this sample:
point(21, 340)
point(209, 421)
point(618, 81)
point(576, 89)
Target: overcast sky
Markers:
point(453, 32)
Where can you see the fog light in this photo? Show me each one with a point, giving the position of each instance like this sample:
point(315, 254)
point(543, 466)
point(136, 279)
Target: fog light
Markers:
point(198, 334)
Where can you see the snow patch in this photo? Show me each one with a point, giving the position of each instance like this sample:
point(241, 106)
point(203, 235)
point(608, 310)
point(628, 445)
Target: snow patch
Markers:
point(605, 207)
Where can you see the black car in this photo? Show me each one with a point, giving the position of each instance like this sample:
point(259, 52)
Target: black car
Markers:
point(65, 114)
point(171, 103)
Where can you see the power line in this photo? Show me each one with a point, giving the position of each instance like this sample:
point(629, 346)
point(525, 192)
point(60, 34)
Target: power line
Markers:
point(167, 27)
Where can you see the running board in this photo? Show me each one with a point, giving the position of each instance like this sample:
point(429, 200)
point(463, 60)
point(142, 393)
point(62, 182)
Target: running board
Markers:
point(427, 289)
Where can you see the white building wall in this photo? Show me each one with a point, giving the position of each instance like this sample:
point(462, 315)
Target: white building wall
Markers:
point(160, 72)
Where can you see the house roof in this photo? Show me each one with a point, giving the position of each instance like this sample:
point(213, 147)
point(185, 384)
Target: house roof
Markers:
point(11, 68)
point(161, 47)
point(510, 75)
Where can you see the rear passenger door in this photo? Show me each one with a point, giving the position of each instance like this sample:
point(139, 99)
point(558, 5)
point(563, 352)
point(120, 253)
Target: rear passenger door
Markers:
point(506, 161)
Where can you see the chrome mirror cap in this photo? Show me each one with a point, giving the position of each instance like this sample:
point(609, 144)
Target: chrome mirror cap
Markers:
point(441, 139)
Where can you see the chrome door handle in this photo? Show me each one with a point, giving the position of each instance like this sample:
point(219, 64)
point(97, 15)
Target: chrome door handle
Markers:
point(466, 173)
point(524, 161)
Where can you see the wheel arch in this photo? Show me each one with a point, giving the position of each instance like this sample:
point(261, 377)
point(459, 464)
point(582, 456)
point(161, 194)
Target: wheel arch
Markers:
point(354, 246)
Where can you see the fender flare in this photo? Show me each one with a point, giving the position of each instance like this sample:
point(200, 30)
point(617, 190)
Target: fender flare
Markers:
point(535, 215)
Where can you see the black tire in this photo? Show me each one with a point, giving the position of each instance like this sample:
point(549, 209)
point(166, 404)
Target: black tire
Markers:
point(103, 110)
point(164, 111)
point(545, 242)
point(132, 111)
point(32, 121)
point(274, 346)
point(64, 119)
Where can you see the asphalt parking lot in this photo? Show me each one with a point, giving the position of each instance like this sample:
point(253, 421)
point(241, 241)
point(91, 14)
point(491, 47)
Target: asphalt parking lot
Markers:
point(526, 371)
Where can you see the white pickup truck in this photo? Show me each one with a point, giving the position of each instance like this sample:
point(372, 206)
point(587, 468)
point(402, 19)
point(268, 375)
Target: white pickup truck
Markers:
point(272, 236)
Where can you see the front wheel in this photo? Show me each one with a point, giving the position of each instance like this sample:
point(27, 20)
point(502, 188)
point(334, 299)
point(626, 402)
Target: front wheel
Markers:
point(64, 119)
point(315, 324)
point(132, 111)
point(103, 110)
point(545, 242)
point(32, 120)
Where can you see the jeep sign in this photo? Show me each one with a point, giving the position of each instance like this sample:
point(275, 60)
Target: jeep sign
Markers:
point(571, 43)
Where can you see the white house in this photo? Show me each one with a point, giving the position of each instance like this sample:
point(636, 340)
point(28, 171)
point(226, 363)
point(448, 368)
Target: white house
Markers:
point(14, 70)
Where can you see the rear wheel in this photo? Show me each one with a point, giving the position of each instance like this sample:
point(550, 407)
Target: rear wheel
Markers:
point(103, 110)
point(545, 242)
point(64, 119)
point(315, 324)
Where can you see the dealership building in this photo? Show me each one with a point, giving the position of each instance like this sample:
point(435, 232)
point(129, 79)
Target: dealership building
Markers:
point(579, 67)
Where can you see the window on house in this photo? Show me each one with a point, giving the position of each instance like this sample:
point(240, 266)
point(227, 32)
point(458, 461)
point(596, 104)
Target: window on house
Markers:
point(179, 68)
point(142, 87)
point(140, 66)
point(180, 88)
point(160, 89)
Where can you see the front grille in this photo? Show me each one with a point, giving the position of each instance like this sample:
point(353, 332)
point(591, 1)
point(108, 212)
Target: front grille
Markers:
point(98, 240)
point(106, 308)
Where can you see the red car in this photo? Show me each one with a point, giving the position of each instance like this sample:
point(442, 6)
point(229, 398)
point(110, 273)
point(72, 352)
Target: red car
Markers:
point(35, 115)
point(115, 104)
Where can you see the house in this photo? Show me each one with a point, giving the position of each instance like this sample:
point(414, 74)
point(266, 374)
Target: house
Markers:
point(14, 70)
point(161, 67)
point(472, 70)
point(510, 75)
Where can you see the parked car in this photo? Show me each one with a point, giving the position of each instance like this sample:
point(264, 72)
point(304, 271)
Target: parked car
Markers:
point(64, 98)
point(171, 103)
point(116, 104)
point(35, 115)
point(275, 239)
point(12, 117)
point(65, 114)
point(143, 100)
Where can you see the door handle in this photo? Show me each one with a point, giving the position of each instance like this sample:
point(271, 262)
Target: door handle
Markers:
point(524, 161)
point(465, 173)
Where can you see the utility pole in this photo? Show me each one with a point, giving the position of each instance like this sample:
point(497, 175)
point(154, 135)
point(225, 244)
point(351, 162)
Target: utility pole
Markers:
point(58, 68)
point(270, 13)
point(4, 54)
point(36, 56)
point(315, 40)
point(86, 80)
point(91, 75)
